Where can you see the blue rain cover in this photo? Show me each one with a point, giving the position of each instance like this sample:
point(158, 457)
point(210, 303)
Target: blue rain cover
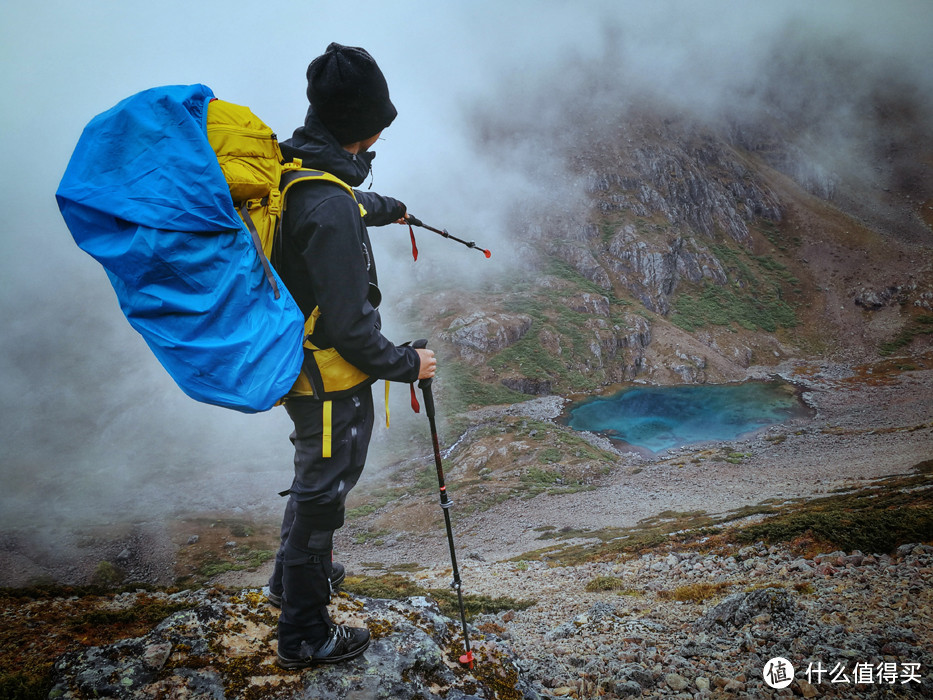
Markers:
point(145, 196)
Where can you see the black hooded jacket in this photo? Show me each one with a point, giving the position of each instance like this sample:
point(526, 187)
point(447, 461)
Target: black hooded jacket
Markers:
point(326, 257)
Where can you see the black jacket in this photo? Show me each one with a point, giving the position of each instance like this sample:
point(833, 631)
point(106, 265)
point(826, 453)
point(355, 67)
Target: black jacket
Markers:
point(326, 258)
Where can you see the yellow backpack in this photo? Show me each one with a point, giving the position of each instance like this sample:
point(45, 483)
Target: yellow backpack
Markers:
point(249, 155)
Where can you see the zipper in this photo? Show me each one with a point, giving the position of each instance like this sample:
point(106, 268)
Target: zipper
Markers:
point(226, 128)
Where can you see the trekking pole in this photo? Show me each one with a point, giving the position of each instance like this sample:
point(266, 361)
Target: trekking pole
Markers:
point(469, 244)
point(446, 503)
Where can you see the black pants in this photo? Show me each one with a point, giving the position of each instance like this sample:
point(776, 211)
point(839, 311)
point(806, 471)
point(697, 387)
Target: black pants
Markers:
point(315, 509)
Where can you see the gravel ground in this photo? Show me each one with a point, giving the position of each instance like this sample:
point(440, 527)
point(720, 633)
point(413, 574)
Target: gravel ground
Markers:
point(838, 613)
point(859, 431)
point(836, 608)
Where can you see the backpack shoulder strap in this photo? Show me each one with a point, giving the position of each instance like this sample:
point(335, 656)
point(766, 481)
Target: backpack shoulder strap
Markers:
point(293, 173)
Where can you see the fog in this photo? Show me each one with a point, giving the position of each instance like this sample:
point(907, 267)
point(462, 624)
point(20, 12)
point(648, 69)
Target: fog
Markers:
point(93, 428)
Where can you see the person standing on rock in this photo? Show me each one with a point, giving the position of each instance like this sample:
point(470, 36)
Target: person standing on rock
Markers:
point(326, 263)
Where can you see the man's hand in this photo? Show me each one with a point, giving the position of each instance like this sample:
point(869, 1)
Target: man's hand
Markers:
point(428, 364)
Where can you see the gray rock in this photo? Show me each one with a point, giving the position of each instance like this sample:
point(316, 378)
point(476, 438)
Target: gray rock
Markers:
point(874, 299)
point(628, 689)
point(220, 648)
point(562, 631)
point(676, 682)
point(155, 655)
point(741, 609)
point(524, 385)
point(800, 565)
point(589, 303)
point(652, 270)
point(486, 333)
point(639, 674)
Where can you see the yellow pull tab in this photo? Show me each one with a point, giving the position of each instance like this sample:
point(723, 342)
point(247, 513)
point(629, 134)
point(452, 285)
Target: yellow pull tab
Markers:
point(387, 403)
point(327, 433)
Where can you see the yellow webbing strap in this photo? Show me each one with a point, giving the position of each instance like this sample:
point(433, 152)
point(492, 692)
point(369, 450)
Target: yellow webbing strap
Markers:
point(328, 429)
point(307, 174)
point(387, 403)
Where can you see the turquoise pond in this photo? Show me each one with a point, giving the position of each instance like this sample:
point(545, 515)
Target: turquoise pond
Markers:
point(659, 418)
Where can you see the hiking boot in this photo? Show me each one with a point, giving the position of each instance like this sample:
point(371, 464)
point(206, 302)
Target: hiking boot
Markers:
point(342, 644)
point(274, 599)
point(337, 575)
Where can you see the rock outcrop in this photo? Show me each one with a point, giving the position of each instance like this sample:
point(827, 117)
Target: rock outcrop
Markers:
point(478, 334)
point(224, 647)
point(652, 270)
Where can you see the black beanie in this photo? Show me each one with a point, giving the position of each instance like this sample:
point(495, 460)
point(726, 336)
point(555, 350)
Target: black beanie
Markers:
point(349, 94)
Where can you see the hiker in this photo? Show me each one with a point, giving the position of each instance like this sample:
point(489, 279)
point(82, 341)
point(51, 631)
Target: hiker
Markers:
point(326, 263)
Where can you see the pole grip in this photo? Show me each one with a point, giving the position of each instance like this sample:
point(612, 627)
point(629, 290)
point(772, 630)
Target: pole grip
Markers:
point(425, 384)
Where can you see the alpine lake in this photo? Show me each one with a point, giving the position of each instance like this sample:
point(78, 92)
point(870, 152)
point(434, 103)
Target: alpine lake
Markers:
point(659, 418)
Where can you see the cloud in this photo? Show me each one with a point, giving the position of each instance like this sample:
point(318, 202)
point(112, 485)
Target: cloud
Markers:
point(490, 94)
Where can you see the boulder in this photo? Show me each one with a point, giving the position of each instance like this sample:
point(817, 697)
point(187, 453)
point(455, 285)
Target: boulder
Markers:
point(741, 609)
point(480, 333)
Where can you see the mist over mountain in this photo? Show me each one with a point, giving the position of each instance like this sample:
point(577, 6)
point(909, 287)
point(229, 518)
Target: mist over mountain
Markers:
point(704, 222)
point(624, 162)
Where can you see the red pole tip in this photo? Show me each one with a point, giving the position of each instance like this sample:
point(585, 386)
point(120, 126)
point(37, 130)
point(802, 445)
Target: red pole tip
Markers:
point(487, 253)
point(467, 659)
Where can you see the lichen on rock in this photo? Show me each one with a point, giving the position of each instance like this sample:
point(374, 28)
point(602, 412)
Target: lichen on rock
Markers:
point(224, 647)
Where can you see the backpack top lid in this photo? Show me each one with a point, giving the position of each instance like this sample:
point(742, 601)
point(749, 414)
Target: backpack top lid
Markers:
point(145, 195)
point(147, 161)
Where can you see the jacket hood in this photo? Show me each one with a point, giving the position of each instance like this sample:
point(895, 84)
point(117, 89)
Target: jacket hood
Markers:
point(319, 149)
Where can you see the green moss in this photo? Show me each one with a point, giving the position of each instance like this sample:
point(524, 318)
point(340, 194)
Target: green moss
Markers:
point(875, 519)
point(605, 583)
point(31, 683)
point(535, 481)
point(918, 326)
point(694, 592)
point(407, 566)
point(753, 300)
point(467, 392)
point(776, 236)
point(566, 271)
point(751, 309)
point(241, 529)
point(396, 587)
point(844, 523)
point(374, 536)
point(242, 559)
point(375, 499)
point(108, 575)
point(146, 612)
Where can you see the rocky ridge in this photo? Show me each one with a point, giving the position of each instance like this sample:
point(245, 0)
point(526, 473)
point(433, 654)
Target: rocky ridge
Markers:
point(684, 624)
point(222, 646)
point(672, 623)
